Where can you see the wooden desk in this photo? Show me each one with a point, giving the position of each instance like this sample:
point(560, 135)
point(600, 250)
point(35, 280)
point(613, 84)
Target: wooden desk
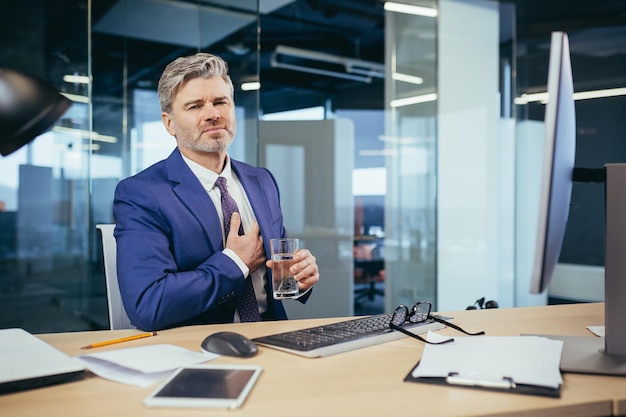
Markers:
point(365, 382)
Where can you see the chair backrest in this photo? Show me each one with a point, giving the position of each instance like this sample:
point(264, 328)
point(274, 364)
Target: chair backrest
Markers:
point(117, 314)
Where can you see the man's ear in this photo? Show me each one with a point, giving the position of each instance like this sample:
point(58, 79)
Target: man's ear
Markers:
point(168, 122)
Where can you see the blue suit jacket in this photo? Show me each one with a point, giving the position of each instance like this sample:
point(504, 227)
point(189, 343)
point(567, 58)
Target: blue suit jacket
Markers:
point(170, 264)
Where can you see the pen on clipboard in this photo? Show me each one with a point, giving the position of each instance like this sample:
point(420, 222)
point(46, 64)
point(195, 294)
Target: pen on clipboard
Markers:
point(123, 339)
point(479, 380)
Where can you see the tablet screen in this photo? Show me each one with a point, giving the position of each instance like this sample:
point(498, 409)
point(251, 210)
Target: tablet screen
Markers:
point(206, 386)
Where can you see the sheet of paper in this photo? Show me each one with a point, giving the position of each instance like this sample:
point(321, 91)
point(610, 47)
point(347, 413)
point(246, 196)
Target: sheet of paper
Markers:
point(529, 360)
point(142, 366)
point(597, 330)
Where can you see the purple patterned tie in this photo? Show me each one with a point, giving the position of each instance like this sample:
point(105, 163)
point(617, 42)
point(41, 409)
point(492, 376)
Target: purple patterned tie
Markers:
point(246, 303)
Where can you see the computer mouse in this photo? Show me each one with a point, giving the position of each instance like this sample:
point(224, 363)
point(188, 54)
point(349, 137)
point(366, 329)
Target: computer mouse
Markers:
point(230, 344)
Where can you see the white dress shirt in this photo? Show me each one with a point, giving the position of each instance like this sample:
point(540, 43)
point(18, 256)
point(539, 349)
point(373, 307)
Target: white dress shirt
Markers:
point(235, 189)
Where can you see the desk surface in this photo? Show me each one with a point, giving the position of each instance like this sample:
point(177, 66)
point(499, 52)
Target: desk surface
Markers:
point(364, 382)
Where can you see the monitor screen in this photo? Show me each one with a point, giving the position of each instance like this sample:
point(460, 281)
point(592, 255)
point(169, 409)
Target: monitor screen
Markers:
point(558, 163)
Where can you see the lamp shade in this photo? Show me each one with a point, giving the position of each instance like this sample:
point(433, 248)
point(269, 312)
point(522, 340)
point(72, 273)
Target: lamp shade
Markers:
point(28, 107)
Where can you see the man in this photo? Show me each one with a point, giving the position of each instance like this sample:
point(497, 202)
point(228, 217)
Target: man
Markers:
point(176, 264)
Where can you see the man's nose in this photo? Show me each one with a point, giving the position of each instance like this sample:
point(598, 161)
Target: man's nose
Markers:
point(210, 112)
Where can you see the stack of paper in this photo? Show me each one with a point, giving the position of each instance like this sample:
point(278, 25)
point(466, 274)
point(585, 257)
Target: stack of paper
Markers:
point(144, 365)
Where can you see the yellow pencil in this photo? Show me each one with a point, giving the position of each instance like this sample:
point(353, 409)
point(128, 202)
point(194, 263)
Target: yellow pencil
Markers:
point(123, 339)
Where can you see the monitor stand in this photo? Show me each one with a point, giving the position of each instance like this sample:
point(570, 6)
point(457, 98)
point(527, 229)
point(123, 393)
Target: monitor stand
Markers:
point(586, 355)
point(606, 355)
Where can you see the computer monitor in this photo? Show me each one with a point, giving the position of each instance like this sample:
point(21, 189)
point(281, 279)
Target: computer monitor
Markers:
point(558, 164)
point(581, 354)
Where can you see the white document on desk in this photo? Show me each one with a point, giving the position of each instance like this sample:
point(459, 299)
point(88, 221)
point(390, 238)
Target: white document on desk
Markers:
point(597, 330)
point(529, 360)
point(142, 366)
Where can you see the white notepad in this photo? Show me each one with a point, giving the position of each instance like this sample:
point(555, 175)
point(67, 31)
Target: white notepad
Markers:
point(28, 362)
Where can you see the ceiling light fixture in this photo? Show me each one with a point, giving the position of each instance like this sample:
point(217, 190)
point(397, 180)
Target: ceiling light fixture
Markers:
point(413, 79)
point(85, 134)
point(424, 98)
point(76, 79)
point(250, 86)
point(529, 98)
point(581, 95)
point(610, 92)
point(391, 6)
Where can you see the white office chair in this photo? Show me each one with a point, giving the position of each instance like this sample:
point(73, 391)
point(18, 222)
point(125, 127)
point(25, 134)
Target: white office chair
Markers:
point(117, 315)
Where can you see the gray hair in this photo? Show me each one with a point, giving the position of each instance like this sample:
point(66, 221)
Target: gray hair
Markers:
point(183, 69)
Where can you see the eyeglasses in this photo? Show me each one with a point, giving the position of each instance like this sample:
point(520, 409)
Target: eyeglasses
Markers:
point(420, 312)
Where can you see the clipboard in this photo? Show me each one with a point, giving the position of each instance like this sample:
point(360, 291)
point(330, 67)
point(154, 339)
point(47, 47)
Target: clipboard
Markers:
point(513, 364)
point(503, 384)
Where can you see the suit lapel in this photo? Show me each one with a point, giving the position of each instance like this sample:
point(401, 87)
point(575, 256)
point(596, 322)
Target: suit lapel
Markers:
point(252, 186)
point(191, 193)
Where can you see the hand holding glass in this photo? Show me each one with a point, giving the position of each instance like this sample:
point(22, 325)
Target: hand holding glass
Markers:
point(284, 284)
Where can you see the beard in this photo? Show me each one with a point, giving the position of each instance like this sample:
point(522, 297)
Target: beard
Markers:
point(214, 143)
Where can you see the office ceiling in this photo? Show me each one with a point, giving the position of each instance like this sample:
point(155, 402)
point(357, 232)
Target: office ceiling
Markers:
point(597, 33)
point(162, 30)
point(146, 34)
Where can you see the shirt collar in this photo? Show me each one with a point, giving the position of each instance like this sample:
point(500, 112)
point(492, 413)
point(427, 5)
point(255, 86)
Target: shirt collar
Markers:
point(208, 177)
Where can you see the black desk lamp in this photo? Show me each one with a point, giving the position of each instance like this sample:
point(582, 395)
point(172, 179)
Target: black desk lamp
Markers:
point(28, 107)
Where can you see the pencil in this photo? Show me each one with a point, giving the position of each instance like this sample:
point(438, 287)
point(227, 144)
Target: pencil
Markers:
point(123, 339)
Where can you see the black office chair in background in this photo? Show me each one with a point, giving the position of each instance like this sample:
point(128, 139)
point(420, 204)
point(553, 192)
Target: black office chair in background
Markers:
point(370, 270)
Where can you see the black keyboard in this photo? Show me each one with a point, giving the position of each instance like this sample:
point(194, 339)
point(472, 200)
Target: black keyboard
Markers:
point(342, 336)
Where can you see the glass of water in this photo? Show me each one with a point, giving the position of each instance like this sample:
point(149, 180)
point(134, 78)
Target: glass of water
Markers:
point(283, 283)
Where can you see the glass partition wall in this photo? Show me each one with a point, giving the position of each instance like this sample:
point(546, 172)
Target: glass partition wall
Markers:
point(106, 56)
point(475, 156)
point(391, 132)
point(46, 255)
point(359, 165)
point(411, 154)
point(450, 141)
